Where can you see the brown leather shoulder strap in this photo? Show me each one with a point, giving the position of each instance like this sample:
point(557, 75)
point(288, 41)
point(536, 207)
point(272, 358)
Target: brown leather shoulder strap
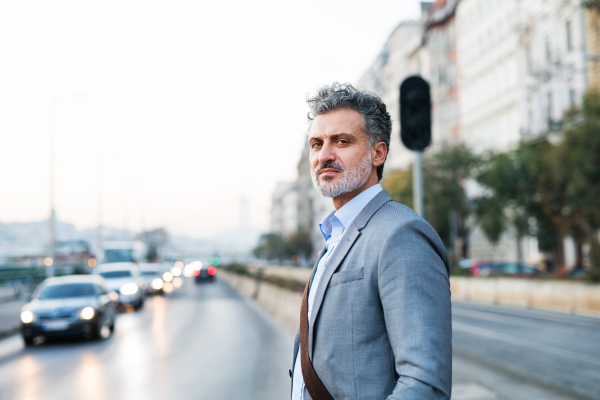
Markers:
point(315, 387)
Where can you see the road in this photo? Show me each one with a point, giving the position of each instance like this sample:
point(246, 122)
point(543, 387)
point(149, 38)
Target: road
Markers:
point(207, 342)
point(527, 354)
point(202, 342)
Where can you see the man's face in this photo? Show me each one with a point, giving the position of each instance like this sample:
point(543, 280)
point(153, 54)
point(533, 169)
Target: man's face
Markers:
point(340, 155)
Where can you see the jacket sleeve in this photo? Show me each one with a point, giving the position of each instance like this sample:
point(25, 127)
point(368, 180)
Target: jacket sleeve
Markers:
point(415, 294)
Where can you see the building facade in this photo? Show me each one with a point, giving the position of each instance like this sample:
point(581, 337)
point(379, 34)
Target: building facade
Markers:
point(487, 52)
point(440, 43)
point(553, 47)
point(402, 55)
point(592, 36)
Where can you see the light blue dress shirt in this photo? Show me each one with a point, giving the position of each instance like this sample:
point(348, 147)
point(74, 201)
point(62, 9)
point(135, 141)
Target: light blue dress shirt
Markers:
point(332, 229)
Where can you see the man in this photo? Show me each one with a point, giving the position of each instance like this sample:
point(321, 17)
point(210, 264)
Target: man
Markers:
point(375, 317)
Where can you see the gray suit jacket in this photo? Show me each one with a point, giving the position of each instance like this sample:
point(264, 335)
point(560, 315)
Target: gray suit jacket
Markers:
point(381, 326)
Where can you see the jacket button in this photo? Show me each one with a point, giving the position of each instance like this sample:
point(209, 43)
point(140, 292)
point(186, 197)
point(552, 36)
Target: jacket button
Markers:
point(290, 373)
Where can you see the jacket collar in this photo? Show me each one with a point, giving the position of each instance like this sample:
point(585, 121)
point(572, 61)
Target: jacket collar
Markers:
point(335, 259)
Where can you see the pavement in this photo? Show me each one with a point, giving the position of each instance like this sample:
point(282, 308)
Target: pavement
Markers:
point(202, 342)
point(9, 316)
point(520, 353)
point(208, 342)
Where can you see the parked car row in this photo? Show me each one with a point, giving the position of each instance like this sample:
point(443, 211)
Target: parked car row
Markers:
point(488, 268)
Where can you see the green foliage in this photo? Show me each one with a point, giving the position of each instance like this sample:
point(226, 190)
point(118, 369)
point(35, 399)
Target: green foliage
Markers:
point(398, 184)
point(299, 243)
point(445, 201)
point(152, 253)
point(237, 268)
point(273, 246)
point(557, 184)
point(594, 272)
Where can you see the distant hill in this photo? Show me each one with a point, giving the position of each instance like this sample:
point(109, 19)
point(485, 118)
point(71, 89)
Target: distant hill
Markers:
point(31, 238)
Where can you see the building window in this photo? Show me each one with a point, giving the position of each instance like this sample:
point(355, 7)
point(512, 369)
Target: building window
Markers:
point(571, 97)
point(569, 38)
point(548, 51)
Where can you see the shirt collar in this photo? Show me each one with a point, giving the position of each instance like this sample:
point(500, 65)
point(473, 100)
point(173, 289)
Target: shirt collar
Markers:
point(349, 211)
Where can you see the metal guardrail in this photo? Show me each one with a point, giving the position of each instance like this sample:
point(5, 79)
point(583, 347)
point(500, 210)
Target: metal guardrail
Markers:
point(17, 281)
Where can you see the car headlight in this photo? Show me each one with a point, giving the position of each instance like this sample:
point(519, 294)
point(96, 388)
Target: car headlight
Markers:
point(26, 317)
point(129, 288)
point(157, 284)
point(167, 277)
point(87, 313)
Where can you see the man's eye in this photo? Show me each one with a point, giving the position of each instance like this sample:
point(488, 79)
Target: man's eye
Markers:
point(316, 145)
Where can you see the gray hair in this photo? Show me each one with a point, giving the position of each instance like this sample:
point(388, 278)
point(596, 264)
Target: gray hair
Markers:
point(343, 96)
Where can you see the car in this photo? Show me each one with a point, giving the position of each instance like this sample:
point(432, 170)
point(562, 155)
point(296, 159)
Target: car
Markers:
point(517, 269)
point(124, 279)
point(66, 306)
point(205, 274)
point(152, 277)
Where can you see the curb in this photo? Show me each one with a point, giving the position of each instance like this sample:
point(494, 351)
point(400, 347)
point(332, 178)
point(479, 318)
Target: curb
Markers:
point(9, 332)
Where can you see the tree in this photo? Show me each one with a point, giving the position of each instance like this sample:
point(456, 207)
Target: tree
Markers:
point(300, 244)
point(580, 156)
point(447, 207)
point(271, 246)
point(511, 183)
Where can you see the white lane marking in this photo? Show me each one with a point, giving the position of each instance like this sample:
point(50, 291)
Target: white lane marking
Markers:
point(570, 319)
point(509, 318)
point(524, 342)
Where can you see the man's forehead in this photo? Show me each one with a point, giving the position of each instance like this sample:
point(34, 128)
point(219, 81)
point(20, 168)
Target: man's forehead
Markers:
point(336, 123)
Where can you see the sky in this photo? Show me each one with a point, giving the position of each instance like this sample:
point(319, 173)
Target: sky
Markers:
point(168, 113)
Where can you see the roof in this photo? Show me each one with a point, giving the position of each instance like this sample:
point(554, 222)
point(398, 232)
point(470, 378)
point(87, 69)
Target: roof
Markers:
point(117, 266)
point(73, 279)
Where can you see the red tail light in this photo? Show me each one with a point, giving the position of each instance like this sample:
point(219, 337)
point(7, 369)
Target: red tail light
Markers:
point(196, 273)
point(212, 270)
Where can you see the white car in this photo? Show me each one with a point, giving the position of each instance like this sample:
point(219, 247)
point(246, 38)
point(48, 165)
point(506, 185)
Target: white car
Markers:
point(124, 279)
point(153, 278)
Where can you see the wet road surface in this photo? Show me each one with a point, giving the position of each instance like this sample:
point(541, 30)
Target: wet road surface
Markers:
point(201, 342)
point(527, 354)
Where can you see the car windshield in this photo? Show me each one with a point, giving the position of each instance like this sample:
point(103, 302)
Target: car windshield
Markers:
point(67, 290)
point(116, 274)
point(149, 273)
point(118, 255)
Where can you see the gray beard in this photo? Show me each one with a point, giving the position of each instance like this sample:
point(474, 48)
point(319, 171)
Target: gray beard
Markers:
point(351, 180)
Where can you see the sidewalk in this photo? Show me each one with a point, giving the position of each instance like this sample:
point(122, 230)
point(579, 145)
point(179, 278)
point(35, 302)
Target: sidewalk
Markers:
point(465, 389)
point(9, 316)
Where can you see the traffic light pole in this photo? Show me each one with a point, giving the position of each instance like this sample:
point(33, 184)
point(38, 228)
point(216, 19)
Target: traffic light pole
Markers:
point(418, 184)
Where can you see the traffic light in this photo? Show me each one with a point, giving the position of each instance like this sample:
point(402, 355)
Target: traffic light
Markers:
point(415, 113)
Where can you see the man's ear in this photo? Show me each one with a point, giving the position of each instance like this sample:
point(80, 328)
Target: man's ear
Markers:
point(378, 154)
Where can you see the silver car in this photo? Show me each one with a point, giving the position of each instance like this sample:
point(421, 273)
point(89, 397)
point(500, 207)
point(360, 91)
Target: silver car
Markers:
point(124, 279)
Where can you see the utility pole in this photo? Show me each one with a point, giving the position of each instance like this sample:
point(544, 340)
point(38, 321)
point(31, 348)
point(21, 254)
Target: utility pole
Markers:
point(418, 184)
point(52, 221)
point(99, 212)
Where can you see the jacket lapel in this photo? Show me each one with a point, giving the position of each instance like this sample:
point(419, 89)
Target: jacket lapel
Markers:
point(339, 253)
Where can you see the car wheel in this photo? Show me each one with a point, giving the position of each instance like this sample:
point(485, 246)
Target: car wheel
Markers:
point(28, 340)
point(139, 305)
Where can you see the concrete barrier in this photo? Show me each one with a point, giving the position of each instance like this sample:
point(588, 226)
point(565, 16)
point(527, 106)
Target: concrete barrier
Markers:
point(283, 304)
point(561, 296)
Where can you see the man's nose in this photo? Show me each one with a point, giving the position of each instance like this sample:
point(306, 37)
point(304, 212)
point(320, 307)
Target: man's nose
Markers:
point(327, 154)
